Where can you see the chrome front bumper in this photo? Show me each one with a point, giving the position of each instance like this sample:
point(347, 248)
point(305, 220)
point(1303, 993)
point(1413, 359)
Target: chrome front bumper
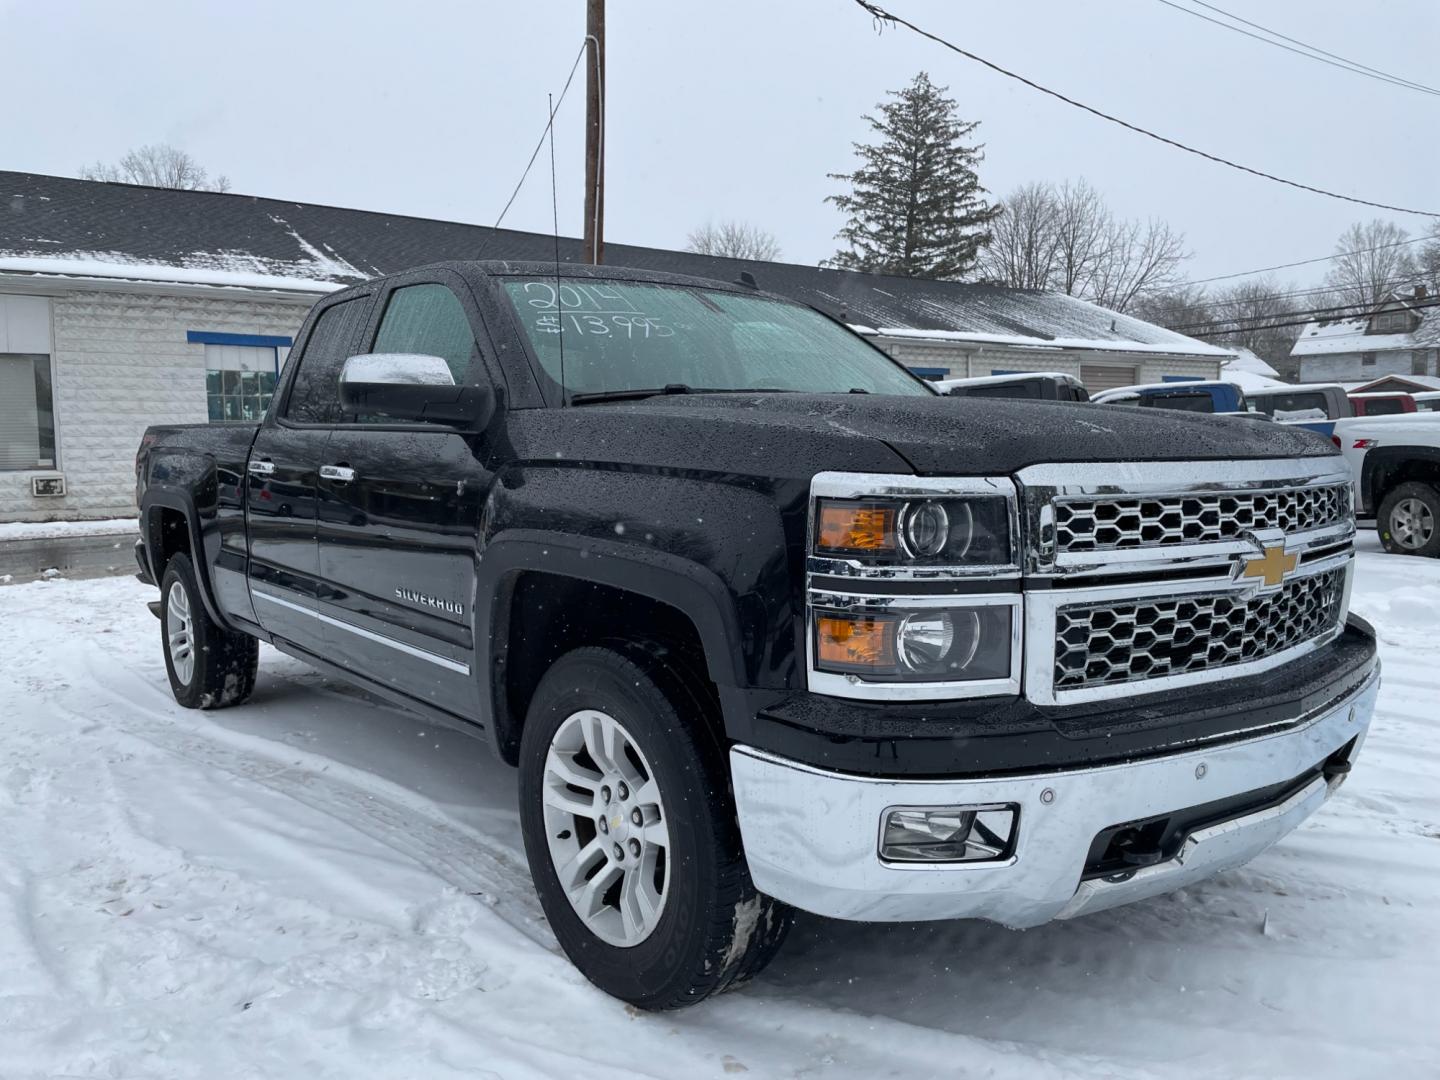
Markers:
point(812, 837)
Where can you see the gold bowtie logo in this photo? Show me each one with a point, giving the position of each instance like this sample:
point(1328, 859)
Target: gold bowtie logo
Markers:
point(1272, 566)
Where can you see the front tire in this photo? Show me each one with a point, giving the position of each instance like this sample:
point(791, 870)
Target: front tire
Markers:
point(209, 667)
point(1409, 520)
point(631, 835)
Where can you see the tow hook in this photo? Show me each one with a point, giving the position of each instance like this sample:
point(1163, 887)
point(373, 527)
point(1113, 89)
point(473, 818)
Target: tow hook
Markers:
point(1335, 769)
point(1127, 846)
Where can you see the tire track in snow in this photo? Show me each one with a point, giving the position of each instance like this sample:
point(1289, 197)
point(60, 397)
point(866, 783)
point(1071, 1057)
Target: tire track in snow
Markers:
point(386, 813)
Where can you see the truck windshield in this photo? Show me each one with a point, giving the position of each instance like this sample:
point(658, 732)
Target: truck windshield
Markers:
point(623, 336)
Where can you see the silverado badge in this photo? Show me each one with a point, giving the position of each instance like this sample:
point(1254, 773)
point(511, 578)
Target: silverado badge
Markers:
point(1272, 566)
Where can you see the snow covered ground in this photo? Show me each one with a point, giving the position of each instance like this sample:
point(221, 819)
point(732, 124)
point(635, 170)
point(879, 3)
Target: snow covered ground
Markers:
point(315, 885)
point(52, 530)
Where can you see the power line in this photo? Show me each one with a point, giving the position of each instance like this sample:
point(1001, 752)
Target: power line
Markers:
point(1317, 49)
point(1232, 331)
point(1347, 65)
point(882, 16)
point(1251, 298)
point(1309, 262)
point(549, 124)
point(1345, 313)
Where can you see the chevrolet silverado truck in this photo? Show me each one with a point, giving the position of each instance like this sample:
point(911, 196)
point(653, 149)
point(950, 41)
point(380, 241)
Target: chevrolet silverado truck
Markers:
point(765, 622)
point(1395, 461)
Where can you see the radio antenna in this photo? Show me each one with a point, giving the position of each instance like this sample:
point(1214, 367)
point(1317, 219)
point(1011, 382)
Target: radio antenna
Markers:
point(555, 221)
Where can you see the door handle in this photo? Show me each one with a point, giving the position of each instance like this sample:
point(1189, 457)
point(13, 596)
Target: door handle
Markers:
point(343, 473)
point(261, 467)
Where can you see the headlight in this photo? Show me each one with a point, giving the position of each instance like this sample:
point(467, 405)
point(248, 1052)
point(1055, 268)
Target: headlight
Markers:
point(961, 531)
point(959, 644)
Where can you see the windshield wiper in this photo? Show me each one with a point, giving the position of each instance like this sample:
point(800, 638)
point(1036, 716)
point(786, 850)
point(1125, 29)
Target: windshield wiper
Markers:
point(592, 396)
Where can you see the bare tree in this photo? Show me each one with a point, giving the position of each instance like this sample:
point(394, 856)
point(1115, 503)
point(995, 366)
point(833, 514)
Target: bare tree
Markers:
point(1427, 263)
point(1086, 233)
point(1184, 308)
point(1248, 312)
point(160, 165)
point(1024, 239)
point(1139, 257)
point(1066, 239)
point(734, 240)
point(1371, 261)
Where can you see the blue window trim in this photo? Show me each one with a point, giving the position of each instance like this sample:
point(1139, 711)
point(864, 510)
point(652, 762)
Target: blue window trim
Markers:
point(930, 372)
point(259, 341)
point(1181, 378)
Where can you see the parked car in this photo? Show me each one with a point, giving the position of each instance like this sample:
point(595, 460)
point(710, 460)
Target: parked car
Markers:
point(1396, 464)
point(1201, 397)
point(765, 622)
point(1029, 385)
point(1382, 404)
point(1427, 401)
point(1311, 405)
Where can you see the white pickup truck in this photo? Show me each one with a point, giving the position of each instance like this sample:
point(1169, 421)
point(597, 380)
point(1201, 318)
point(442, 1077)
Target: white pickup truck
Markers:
point(1396, 462)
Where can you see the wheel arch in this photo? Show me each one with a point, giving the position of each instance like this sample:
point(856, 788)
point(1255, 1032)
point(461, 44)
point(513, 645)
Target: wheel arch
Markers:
point(679, 597)
point(1386, 467)
point(159, 509)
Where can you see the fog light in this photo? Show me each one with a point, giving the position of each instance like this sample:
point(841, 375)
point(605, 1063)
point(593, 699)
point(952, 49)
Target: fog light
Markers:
point(934, 834)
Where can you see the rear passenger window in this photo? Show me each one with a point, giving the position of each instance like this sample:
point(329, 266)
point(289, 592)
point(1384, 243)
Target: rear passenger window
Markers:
point(1201, 403)
point(429, 320)
point(315, 393)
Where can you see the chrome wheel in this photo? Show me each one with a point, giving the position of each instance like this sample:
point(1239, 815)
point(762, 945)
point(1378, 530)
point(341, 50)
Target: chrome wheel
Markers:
point(1412, 523)
point(180, 633)
point(606, 828)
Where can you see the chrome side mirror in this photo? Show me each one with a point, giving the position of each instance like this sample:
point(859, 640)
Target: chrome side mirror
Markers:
point(413, 386)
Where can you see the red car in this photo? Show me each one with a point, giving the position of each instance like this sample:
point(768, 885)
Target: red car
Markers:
point(1382, 404)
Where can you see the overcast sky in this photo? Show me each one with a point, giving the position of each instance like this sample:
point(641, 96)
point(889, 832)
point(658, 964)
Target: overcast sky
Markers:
point(736, 109)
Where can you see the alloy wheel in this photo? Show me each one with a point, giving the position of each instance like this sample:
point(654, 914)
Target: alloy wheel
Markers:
point(1412, 523)
point(180, 633)
point(605, 823)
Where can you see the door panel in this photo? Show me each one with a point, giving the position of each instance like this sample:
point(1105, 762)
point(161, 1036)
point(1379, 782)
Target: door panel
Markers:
point(284, 563)
point(280, 509)
point(397, 546)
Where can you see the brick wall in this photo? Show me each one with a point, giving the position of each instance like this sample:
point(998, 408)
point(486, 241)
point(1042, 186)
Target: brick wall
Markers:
point(121, 363)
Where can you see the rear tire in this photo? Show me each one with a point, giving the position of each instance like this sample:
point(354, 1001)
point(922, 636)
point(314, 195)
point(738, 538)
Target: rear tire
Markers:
point(657, 780)
point(1408, 520)
point(209, 667)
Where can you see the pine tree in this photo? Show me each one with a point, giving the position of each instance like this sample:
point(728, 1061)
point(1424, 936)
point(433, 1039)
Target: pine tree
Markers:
point(916, 205)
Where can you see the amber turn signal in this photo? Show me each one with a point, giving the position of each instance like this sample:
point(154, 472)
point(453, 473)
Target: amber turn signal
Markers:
point(855, 642)
point(857, 527)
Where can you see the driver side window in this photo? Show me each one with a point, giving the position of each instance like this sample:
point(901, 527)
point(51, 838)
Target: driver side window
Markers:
point(428, 320)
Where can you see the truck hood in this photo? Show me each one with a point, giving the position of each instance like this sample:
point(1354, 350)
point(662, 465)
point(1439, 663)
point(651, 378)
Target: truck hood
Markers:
point(934, 436)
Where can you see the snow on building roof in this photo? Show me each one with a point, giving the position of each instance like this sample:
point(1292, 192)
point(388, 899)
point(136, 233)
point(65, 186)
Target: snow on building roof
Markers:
point(82, 228)
point(1246, 360)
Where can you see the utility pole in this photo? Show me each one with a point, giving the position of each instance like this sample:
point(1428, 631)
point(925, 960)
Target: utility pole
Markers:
point(595, 132)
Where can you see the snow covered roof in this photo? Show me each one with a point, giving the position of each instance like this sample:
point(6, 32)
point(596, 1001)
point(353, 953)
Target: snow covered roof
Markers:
point(1003, 380)
point(81, 228)
point(1349, 336)
point(1125, 393)
point(1246, 360)
point(1398, 384)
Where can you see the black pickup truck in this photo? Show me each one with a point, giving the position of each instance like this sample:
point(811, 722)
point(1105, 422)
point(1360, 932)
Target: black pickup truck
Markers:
point(765, 622)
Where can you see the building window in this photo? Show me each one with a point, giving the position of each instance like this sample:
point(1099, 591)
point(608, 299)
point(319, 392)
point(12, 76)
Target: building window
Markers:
point(1394, 321)
point(241, 371)
point(1367, 359)
point(27, 415)
point(239, 381)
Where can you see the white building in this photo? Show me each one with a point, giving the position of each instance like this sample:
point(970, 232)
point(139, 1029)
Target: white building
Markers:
point(1401, 336)
point(125, 306)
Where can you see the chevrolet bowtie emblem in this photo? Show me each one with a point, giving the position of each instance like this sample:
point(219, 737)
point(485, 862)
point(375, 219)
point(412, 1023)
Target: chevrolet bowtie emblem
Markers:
point(1272, 566)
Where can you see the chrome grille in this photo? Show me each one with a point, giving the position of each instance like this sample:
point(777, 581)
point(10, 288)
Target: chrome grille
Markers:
point(1127, 641)
point(1110, 524)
